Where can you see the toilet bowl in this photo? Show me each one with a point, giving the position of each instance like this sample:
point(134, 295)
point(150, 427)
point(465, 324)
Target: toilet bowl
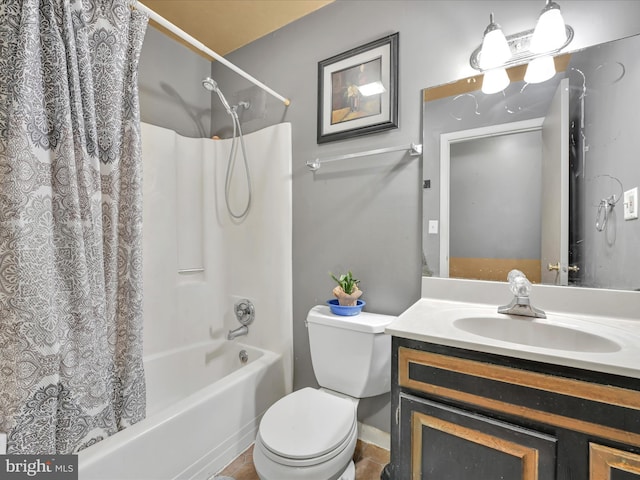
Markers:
point(311, 434)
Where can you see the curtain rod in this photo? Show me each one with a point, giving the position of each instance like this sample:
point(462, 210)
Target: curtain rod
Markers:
point(203, 48)
point(413, 148)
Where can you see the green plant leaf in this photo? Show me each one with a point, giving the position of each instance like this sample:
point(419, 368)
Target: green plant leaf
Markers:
point(346, 282)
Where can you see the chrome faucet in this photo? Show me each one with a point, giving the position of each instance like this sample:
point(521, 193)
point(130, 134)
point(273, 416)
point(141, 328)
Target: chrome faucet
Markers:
point(238, 332)
point(245, 313)
point(520, 286)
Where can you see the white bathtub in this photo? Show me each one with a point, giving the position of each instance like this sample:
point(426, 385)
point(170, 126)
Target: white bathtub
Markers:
point(203, 409)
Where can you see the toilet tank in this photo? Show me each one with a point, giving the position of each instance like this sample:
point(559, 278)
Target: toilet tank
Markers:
point(350, 354)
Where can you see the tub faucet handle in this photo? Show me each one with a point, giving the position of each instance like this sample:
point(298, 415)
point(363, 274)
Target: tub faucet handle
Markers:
point(245, 311)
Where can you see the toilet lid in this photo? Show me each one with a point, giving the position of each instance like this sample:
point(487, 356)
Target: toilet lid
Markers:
point(307, 423)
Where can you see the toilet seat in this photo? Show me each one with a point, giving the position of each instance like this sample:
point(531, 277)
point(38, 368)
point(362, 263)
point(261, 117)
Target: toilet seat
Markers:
point(307, 427)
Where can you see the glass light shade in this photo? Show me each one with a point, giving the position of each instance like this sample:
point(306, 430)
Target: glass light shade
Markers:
point(550, 33)
point(540, 70)
point(495, 49)
point(495, 81)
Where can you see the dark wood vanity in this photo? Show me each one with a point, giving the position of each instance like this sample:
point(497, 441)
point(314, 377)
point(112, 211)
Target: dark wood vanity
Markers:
point(460, 414)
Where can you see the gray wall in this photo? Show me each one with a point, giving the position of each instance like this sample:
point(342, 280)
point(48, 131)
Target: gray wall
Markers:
point(610, 258)
point(495, 197)
point(364, 214)
point(171, 93)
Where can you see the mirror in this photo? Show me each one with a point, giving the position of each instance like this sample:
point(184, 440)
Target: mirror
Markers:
point(534, 177)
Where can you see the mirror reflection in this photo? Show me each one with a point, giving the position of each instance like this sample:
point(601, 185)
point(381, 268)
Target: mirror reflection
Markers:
point(539, 177)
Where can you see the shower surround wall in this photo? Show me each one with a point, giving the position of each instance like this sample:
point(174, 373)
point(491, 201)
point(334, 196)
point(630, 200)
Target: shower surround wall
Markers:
point(186, 227)
point(204, 404)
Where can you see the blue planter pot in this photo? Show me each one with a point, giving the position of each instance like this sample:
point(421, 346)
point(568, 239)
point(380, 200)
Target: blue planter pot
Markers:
point(344, 310)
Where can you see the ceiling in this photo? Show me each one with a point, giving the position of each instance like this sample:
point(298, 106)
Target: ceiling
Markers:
point(226, 25)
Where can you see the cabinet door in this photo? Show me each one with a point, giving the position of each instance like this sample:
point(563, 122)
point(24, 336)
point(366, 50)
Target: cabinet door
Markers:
point(452, 444)
point(607, 463)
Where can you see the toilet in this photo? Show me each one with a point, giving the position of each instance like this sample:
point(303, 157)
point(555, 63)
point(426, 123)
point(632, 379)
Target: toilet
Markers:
point(311, 433)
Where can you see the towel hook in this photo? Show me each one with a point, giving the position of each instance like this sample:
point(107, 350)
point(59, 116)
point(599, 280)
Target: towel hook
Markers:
point(604, 207)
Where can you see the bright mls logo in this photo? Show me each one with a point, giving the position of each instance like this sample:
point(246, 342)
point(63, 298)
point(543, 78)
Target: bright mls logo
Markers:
point(49, 467)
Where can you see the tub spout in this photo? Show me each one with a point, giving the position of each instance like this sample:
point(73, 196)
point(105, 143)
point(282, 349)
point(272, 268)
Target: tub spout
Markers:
point(245, 313)
point(238, 332)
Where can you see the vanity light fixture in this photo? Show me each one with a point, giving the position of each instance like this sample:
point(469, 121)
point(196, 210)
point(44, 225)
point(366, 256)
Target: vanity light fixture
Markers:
point(495, 80)
point(550, 32)
point(535, 47)
point(495, 49)
point(540, 70)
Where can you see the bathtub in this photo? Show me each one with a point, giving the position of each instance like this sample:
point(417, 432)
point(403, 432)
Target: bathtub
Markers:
point(203, 409)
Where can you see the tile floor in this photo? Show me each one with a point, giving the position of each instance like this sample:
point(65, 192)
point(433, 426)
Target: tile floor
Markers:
point(370, 460)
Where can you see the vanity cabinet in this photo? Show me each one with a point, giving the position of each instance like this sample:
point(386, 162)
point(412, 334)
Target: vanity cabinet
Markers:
point(461, 414)
point(451, 443)
point(612, 464)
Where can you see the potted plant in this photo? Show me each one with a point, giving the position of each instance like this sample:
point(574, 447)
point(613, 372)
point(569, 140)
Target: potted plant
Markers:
point(347, 291)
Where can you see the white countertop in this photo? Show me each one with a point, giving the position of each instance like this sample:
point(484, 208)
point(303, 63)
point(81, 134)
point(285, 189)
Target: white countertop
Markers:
point(432, 320)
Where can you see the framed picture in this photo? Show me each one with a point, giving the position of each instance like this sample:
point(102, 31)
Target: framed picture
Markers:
point(358, 91)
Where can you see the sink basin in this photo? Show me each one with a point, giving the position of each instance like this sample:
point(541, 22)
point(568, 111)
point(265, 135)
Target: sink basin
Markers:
point(599, 343)
point(535, 333)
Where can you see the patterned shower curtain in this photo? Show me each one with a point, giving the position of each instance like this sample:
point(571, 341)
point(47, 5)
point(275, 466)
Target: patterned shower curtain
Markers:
point(70, 223)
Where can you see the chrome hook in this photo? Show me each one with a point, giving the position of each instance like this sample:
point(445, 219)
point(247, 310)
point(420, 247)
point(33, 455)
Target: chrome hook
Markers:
point(604, 207)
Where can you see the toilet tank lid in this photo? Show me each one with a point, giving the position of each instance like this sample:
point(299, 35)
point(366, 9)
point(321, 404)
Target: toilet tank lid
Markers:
point(363, 322)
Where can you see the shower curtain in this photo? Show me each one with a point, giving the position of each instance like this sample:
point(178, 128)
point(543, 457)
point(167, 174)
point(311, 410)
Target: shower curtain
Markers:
point(70, 223)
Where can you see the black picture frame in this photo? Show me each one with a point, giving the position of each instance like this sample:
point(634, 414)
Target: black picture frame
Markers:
point(358, 91)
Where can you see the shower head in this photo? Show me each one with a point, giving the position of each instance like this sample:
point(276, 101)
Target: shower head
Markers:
point(210, 84)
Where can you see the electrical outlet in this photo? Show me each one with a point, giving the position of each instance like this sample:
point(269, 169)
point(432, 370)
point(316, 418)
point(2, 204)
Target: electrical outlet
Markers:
point(631, 204)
